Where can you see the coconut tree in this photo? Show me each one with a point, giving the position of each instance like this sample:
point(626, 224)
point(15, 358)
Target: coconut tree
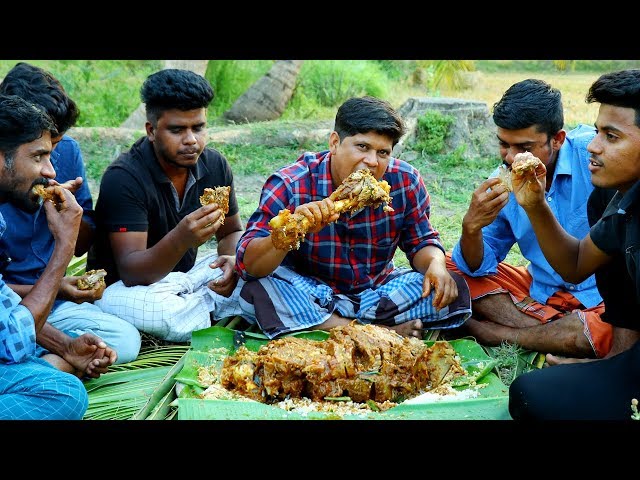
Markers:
point(267, 98)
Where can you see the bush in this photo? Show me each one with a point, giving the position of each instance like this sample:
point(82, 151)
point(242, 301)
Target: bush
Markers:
point(106, 91)
point(323, 85)
point(431, 131)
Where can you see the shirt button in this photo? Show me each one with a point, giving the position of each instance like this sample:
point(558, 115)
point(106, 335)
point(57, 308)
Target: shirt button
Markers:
point(549, 199)
point(572, 287)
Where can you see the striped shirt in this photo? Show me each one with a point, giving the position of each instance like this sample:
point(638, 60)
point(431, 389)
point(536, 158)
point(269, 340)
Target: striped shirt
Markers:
point(356, 252)
point(17, 328)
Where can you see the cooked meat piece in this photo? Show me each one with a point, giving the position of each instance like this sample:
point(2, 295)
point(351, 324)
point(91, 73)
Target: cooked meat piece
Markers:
point(504, 174)
point(358, 190)
point(219, 195)
point(363, 362)
point(524, 162)
point(92, 279)
point(43, 193)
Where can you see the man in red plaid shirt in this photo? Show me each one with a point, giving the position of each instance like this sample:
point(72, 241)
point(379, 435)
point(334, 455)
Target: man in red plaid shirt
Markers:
point(343, 270)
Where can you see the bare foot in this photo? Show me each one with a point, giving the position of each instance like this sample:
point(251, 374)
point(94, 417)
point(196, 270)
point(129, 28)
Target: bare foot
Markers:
point(558, 360)
point(411, 328)
point(61, 364)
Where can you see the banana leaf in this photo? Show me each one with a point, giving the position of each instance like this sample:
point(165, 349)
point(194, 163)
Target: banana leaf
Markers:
point(210, 346)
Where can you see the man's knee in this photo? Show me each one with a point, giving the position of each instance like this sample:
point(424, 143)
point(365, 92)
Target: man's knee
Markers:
point(125, 340)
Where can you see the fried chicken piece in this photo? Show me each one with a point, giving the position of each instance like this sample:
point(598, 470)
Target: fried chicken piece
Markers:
point(504, 174)
point(358, 190)
point(43, 193)
point(91, 280)
point(219, 195)
point(524, 162)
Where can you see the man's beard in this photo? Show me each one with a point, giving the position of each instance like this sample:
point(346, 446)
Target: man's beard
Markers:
point(25, 201)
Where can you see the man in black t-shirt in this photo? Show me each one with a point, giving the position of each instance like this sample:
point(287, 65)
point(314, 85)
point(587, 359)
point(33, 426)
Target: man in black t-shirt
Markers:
point(599, 389)
point(150, 222)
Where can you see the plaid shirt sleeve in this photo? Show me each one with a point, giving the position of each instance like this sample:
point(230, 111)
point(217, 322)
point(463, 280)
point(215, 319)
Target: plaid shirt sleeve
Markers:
point(17, 328)
point(274, 197)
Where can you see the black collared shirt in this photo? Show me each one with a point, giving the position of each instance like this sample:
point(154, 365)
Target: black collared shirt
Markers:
point(137, 196)
point(617, 233)
point(615, 285)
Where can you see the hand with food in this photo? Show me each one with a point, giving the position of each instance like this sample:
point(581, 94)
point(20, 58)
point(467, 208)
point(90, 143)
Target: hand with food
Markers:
point(528, 179)
point(92, 280)
point(219, 196)
point(358, 190)
point(72, 289)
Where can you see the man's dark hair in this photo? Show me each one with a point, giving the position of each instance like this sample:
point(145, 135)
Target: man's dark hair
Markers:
point(368, 114)
point(620, 89)
point(173, 88)
point(20, 122)
point(41, 88)
point(528, 103)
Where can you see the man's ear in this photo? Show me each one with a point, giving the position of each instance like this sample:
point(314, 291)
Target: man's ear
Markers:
point(334, 142)
point(150, 131)
point(558, 139)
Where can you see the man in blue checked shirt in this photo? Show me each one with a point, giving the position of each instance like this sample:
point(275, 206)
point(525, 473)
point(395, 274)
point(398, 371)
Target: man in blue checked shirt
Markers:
point(343, 270)
point(30, 386)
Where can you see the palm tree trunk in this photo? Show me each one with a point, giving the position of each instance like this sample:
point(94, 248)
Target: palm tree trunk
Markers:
point(267, 98)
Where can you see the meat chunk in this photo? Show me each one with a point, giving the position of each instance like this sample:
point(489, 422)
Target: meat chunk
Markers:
point(358, 190)
point(92, 279)
point(363, 362)
point(219, 195)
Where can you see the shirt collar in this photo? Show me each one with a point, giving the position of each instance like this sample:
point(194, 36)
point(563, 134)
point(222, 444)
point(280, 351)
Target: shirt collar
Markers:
point(631, 199)
point(323, 176)
point(3, 225)
point(563, 162)
point(153, 165)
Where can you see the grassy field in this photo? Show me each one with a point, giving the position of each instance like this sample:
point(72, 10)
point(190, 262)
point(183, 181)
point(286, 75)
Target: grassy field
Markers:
point(574, 87)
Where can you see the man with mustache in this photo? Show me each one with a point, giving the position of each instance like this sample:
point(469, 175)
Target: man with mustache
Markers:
point(28, 241)
point(30, 386)
point(150, 221)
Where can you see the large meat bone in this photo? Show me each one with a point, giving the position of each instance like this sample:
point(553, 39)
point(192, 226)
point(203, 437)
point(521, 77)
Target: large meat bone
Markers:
point(360, 189)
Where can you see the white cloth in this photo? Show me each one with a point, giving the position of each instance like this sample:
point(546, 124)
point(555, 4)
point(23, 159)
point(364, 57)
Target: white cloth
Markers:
point(172, 308)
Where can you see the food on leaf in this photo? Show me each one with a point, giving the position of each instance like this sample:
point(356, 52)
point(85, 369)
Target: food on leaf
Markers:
point(361, 362)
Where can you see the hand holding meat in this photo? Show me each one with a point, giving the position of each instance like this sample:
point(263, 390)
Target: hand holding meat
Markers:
point(92, 280)
point(69, 290)
point(219, 196)
point(528, 178)
point(199, 226)
point(358, 190)
point(63, 216)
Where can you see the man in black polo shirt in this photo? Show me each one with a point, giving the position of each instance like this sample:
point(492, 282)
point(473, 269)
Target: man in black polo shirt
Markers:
point(150, 222)
point(599, 389)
